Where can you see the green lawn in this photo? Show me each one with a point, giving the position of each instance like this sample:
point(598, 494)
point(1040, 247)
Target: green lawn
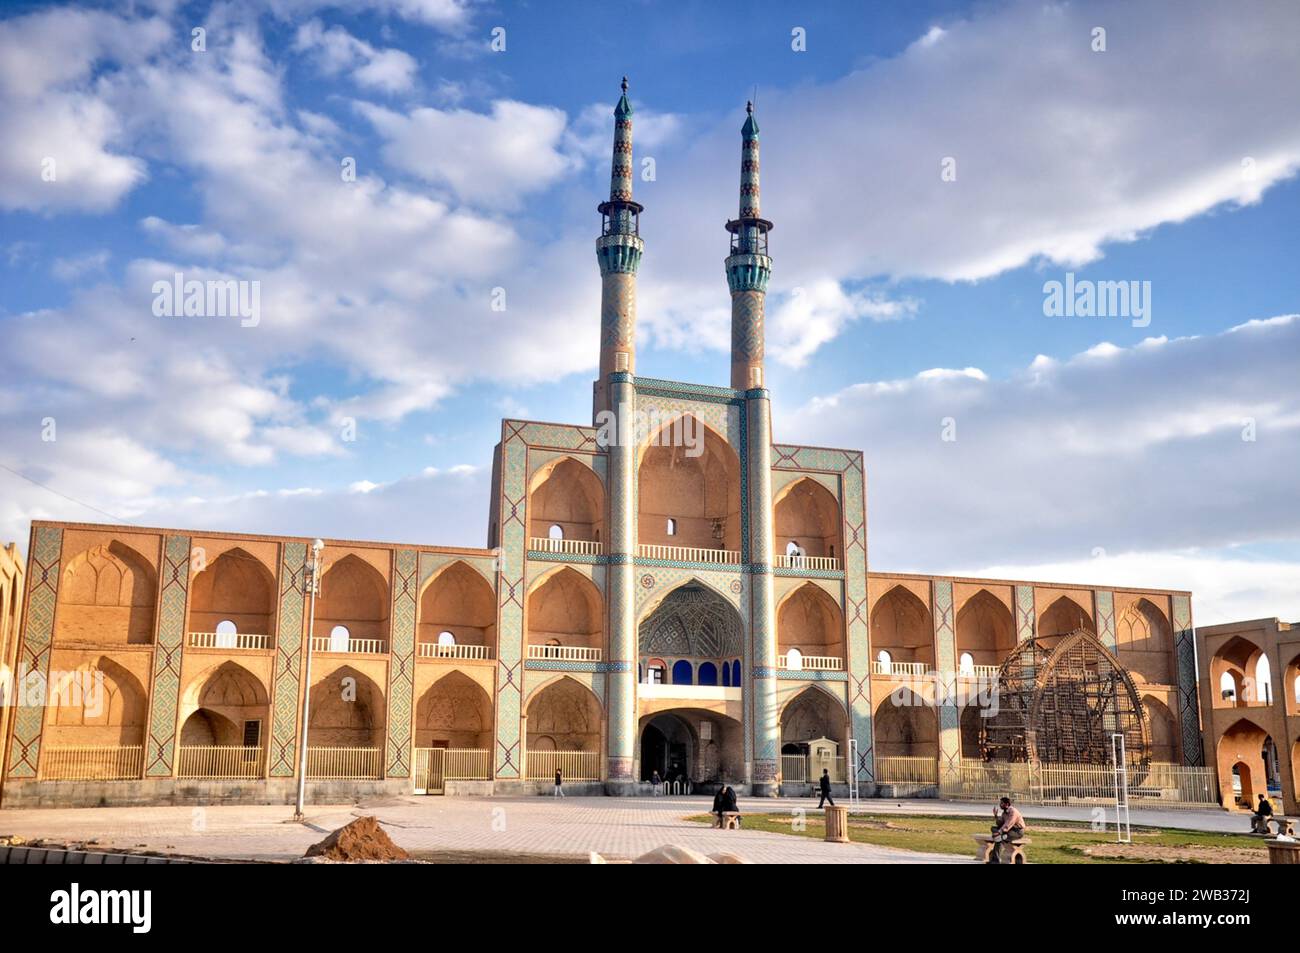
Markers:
point(1054, 842)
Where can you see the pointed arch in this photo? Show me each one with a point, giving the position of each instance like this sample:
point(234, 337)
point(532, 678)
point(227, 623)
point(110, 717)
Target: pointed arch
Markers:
point(901, 624)
point(1236, 659)
point(1242, 773)
point(566, 493)
point(809, 620)
point(108, 594)
point(905, 726)
point(1145, 642)
point(99, 703)
point(985, 629)
point(692, 620)
point(565, 608)
point(457, 599)
point(807, 513)
point(1061, 618)
point(814, 713)
point(1162, 727)
point(236, 586)
point(564, 715)
point(697, 485)
point(347, 711)
point(455, 712)
point(353, 594)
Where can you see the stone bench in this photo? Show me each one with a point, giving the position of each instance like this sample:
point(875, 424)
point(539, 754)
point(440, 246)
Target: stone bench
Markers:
point(1285, 825)
point(1008, 852)
point(728, 820)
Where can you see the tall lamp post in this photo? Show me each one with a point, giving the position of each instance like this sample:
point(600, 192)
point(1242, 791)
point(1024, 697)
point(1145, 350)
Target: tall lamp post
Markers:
point(312, 582)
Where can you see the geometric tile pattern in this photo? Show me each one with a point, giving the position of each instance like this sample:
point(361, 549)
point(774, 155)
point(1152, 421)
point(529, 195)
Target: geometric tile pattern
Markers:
point(1105, 602)
point(165, 696)
point(283, 758)
point(401, 662)
point(811, 676)
point(34, 655)
point(949, 715)
point(1189, 712)
point(848, 468)
point(1024, 613)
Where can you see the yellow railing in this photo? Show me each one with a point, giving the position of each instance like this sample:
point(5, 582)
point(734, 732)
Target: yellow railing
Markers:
point(979, 671)
point(345, 764)
point(434, 650)
point(231, 640)
point(795, 768)
point(564, 653)
point(806, 562)
point(1157, 785)
point(902, 769)
point(819, 663)
point(219, 761)
point(573, 765)
point(689, 554)
point(92, 762)
point(899, 668)
point(325, 643)
point(568, 547)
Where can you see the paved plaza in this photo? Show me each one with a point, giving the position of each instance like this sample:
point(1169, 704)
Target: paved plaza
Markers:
point(617, 828)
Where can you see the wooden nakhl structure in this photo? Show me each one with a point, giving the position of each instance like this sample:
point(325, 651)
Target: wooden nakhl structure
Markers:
point(1061, 700)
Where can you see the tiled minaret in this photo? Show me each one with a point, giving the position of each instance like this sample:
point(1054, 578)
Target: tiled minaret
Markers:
point(748, 270)
point(619, 252)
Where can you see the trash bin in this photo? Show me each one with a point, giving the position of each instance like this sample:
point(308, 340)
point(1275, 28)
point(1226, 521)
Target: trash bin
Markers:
point(837, 823)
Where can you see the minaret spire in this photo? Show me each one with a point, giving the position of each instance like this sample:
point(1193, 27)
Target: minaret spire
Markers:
point(748, 266)
point(618, 250)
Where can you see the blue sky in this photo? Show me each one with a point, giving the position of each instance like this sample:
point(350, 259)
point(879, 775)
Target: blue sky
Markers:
point(1087, 448)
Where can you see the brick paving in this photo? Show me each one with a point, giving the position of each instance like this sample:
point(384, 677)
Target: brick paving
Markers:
point(614, 827)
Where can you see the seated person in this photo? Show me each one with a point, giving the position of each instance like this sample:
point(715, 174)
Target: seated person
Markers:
point(1008, 825)
point(1259, 820)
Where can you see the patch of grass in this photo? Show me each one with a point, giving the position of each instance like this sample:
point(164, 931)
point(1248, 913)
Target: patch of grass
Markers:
point(1054, 842)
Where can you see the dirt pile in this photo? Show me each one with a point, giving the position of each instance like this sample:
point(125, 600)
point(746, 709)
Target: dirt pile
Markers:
point(363, 839)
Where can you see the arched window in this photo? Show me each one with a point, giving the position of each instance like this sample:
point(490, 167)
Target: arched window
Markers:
point(446, 638)
point(966, 664)
point(794, 660)
point(671, 528)
point(683, 674)
point(1263, 681)
point(226, 634)
point(708, 674)
point(885, 660)
point(726, 674)
point(655, 672)
point(339, 636)
point(556, 531)
point(735, 674)
point(1227, 686)
point(1297, 689)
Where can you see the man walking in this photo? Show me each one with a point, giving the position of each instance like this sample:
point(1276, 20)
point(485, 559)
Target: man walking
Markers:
point(824, 785)
point(559, 784)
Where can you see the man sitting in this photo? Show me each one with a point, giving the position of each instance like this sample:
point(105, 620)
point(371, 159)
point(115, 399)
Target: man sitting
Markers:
point(1259, 820)
point(1008, 825)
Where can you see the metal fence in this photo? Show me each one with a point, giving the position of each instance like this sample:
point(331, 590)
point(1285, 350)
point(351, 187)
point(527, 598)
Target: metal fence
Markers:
point(92, 762)
point(345, 764)
point(1155, 785)
point(573, 765)
point(219, 761)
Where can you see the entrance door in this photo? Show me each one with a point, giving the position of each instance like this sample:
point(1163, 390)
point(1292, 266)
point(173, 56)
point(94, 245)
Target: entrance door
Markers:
point(429, 770)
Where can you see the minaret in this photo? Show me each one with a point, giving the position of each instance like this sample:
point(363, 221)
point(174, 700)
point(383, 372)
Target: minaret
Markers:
point(748, 270)
point(619, 252)
point(748, 267)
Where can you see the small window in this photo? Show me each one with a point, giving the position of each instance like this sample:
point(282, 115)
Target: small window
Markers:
point(446, 638)
point(556, 531)
point(226, 634)
point(885, 660)
point(252, 734)
point(794, 660)
point(966, 665)
point(339, 636)
point(671, 529)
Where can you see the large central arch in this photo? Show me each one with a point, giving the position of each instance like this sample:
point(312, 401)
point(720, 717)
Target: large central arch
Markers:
point(696, 632)
point(689, 495)
point(691, 744)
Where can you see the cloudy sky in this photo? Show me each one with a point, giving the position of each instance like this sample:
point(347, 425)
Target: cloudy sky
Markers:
point(929, 169)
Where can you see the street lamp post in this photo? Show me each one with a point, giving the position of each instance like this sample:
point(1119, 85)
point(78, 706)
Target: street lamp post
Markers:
point(313, 586)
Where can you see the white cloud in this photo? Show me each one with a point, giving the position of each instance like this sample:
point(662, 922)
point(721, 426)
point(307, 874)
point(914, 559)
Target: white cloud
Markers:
point(806, 318)
point(336, 51)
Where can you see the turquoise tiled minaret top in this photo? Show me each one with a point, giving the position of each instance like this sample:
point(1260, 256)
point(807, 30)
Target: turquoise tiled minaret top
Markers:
point(748, 266)
point(619, 247)
point(620, 173)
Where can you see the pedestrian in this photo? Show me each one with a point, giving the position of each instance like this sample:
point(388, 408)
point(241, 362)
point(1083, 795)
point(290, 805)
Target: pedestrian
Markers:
point(824, 785)
point(559, 784)
point(655, 781)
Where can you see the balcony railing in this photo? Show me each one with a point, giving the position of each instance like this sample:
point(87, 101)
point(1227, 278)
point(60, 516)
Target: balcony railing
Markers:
point(434, 650)
point(806, 562)
point(326, 643)
point(573, 765)
point(231, 640)
point(689, 554)
point(92, 762)
point(564, 653)
point(219, 761)
point(979, 671)
point(345, 764)
point(815, 663)
point(568, 547)
point(899, 668)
